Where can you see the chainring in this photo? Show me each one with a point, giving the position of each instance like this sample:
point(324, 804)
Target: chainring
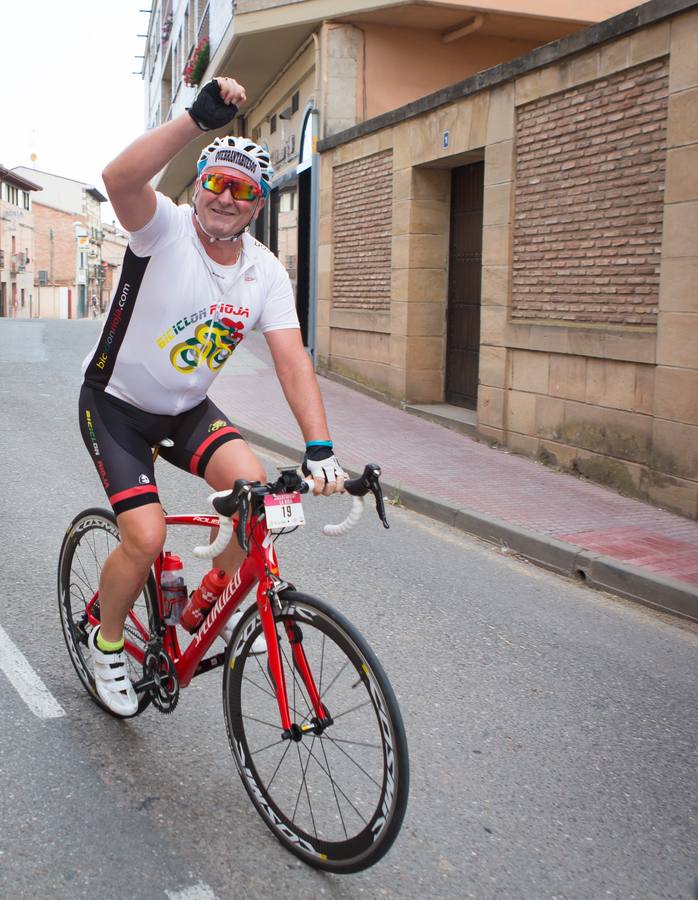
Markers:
point(159, 669)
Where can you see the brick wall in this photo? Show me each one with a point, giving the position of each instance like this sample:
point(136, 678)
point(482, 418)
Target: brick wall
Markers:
point(590, 175)
point(64, 243)
point(362, 232)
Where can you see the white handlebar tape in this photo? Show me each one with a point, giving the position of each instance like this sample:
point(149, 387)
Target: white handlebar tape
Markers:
point(225, 526)
point(357, 507)
point(225, 532)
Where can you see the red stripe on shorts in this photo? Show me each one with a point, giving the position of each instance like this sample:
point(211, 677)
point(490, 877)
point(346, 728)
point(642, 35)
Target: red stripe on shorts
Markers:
point(132, 492)
point(201, 449)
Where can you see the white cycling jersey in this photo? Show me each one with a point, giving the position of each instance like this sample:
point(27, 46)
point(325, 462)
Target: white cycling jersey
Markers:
point(177, 315)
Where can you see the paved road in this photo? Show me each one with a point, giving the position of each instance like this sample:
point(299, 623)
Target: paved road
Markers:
point(552, 729)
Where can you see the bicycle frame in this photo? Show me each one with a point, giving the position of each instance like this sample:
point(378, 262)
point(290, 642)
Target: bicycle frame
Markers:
point(260, 566)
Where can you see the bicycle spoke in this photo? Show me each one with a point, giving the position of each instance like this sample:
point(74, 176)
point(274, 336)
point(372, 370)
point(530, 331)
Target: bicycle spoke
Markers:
point(262, 749)
point(357, 743)
point(336, 798)
point(260, 721)
point(259, 687)
point(334, 783)
point(304, 784)
point(331, 684)
point(353, 709)
point(283, 757)
point(264, 672)
point(351, 759)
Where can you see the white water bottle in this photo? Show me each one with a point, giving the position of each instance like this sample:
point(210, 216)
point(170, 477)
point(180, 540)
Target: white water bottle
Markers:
point(174, 588)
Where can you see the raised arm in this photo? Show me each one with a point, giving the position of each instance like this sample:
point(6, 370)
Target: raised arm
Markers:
point(127, 178)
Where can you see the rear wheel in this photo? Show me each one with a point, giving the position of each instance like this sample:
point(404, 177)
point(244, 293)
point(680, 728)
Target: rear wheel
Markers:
point(91, 537)
point(335, 796)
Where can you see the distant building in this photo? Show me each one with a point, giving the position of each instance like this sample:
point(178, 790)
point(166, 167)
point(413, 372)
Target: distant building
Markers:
point(69, 236)
point(113, 249)
point(16, 244)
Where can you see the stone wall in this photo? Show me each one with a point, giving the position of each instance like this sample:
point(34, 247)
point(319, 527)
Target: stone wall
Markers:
point(588, 346)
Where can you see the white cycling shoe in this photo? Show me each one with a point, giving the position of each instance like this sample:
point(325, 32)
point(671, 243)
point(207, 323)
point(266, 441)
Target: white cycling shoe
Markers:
point(113, 685)
point(259, 646)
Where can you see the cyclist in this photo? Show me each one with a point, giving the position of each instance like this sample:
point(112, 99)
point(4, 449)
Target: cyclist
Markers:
point(193, 283)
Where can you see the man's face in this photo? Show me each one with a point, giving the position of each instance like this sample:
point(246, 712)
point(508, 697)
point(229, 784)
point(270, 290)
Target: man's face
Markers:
point(221, 214)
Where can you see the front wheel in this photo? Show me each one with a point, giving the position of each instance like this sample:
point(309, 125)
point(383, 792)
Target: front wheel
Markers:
point(335, 797)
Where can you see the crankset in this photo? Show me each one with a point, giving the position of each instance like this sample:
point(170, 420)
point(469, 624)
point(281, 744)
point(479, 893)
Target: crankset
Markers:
point(159, 678)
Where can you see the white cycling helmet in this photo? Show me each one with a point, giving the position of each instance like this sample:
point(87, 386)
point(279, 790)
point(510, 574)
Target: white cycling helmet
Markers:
point(242, 155)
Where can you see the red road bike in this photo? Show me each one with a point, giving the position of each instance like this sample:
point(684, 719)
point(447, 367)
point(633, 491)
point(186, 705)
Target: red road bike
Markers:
point(313, 724)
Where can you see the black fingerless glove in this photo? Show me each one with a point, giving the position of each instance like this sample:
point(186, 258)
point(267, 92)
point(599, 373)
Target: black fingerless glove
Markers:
point(209, 110)
point(320, 462)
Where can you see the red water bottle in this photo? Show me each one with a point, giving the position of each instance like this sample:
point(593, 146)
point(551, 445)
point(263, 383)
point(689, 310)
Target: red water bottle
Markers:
point(202, 599)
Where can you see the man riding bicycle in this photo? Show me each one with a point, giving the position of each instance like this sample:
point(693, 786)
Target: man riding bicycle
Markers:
point(193, 284)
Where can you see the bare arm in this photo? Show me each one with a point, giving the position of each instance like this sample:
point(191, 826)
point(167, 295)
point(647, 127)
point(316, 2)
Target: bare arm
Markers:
point(127, 177)
point(295, 372)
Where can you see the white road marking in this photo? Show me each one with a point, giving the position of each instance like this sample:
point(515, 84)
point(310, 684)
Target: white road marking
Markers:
point(199, 891)
point(26, 682)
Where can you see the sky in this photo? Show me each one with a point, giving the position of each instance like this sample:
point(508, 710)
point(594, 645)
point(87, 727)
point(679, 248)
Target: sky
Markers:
point(66, 89)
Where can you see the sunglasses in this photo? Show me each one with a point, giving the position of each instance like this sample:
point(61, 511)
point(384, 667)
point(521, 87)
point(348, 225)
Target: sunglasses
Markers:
point(240, 190)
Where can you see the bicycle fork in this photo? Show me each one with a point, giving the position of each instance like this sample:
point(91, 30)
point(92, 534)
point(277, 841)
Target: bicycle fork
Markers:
point(267, 597)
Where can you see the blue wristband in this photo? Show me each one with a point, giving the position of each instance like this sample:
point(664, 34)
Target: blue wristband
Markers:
point(319, 444)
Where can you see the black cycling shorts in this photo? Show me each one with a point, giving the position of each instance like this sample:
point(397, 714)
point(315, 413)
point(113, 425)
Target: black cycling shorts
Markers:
point(120, 437)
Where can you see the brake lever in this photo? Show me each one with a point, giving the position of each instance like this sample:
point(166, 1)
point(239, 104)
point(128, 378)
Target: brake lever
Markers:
point(372, 474)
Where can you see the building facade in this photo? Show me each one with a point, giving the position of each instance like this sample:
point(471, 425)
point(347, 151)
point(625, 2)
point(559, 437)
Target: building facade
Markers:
point(313, 69)
point(542, 263)
point(69, 236)
point(17, 230)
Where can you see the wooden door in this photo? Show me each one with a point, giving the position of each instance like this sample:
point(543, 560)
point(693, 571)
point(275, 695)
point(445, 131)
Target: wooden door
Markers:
point(464, 278)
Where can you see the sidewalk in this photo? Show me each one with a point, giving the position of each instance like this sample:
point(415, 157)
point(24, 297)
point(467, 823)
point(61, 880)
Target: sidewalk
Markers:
point(554, 519)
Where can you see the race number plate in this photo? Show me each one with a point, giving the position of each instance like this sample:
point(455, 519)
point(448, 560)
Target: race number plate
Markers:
point(283, 511)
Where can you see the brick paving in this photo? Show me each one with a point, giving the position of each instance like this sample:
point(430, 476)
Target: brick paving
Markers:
point(426, 458)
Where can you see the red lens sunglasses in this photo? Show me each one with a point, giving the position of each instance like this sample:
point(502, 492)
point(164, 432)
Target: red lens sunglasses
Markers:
point(239, 189)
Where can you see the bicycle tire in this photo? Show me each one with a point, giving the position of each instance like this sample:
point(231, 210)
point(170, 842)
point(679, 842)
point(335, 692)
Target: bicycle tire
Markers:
point(326, 845)
point(97, 531)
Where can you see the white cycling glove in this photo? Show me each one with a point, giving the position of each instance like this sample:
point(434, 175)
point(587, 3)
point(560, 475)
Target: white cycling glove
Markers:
point(320, 462)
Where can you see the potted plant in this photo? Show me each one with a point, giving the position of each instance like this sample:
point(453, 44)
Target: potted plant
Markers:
point(197, 63)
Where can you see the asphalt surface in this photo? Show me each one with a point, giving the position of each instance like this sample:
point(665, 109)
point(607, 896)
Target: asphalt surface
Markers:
point(552, 729)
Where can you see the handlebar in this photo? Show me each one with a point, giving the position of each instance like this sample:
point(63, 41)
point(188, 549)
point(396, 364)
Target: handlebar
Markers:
point(246, 497)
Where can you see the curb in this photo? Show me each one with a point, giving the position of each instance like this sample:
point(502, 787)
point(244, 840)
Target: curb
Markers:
point(600, 572)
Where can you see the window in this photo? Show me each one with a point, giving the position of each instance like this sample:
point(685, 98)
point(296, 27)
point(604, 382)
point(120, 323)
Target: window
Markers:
point(11, 194)
point(25, 199)
point(294, 102)
point(287, 201)
point(272, 125)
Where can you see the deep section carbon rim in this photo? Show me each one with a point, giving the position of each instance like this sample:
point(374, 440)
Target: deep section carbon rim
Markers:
point(91, 537)
point(334, 798)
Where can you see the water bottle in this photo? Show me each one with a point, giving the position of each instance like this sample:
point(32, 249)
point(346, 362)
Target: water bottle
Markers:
point(174, 588)
point(202, 599)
